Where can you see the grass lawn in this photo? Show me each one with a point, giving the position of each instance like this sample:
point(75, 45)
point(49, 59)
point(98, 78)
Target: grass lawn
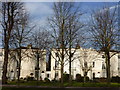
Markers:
point(13, 88)
point(66, 84)
point(48, 85)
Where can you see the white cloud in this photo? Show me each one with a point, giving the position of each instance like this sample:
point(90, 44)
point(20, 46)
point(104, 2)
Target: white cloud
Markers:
point(116, 6)
point(39, 12)
point(39, 9)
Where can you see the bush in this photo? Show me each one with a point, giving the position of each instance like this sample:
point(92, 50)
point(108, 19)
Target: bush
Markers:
point(47, 79)
point(87, 78)
point(21, 78)
point(55, 80)
point(25, 79)
point(115, 79)
point(65, 77)
point(79, 78)
point(30, 78)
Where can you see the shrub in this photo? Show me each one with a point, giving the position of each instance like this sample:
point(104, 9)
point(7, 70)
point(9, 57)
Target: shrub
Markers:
point(54, 80)
point(87, 78)
point(115, 79)
point(47, 79)
point(65, 77)
point(97, 80)
point(30, 78)
point(79, 78)
point(21, 78)
point(31, 74)
point(25, 79)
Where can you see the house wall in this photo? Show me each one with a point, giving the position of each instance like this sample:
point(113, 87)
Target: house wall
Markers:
point(91, 56)
point(28, 64)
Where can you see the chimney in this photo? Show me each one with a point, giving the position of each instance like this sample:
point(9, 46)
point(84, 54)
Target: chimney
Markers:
point(29, 46)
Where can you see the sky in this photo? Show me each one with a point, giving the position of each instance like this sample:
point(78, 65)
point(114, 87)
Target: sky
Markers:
point(40, 11)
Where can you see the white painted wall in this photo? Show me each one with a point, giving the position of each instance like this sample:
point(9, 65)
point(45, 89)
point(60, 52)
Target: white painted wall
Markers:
point(28, 64)
point(91, 56)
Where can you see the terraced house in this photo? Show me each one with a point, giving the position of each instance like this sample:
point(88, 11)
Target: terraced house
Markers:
point(41, 65)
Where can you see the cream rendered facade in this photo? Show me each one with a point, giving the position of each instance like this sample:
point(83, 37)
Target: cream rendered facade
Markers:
point(28, 64)
point(95, 63)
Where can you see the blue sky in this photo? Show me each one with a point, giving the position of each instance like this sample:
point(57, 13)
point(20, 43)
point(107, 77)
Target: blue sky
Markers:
point(40, 11)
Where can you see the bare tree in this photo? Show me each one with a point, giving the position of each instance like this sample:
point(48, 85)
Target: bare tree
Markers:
point(65, 24)
point(20, 37)
point(41, 41)
point(10, 12)
point(86, 58)
point(104, 31)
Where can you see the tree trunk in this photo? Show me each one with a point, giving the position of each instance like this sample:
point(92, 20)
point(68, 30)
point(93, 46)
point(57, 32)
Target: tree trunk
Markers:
point(62, 66)
point(5, 64)
point(62, 54)
point(107, 54)
point(19, 64)
point(70, 78)
point(70, 57)
point(85, 75)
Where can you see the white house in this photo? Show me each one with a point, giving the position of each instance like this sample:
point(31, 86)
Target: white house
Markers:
point(28, 63)
point(82, 59)
point(95, 64)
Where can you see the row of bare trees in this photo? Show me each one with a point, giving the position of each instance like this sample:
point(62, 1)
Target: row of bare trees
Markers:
point(16, 34)
point(105, 33)
point(66, 25)
point(67, 33)
point(13, 14)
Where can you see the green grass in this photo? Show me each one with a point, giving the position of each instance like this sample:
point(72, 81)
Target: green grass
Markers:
point(66, 84)
point(55, 84)
point(13, 88)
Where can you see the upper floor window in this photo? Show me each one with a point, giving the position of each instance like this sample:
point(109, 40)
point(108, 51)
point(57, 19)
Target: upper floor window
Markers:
point(103, 56)
point(1, 54)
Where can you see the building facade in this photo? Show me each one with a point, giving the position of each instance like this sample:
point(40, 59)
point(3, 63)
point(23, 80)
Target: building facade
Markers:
point(29, 63)
point(83, 60)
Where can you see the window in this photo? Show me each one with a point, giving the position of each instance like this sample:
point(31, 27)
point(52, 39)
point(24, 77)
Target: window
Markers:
point(0, 64)
point(56, 63)
point(42, 71)
point(103, 56)
point(56, 74)
point(93, 75)
point(118, 56)
point(93, 64)
point(36, 74)
point(48, 75)
point(103, 65)
point(1, 54)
